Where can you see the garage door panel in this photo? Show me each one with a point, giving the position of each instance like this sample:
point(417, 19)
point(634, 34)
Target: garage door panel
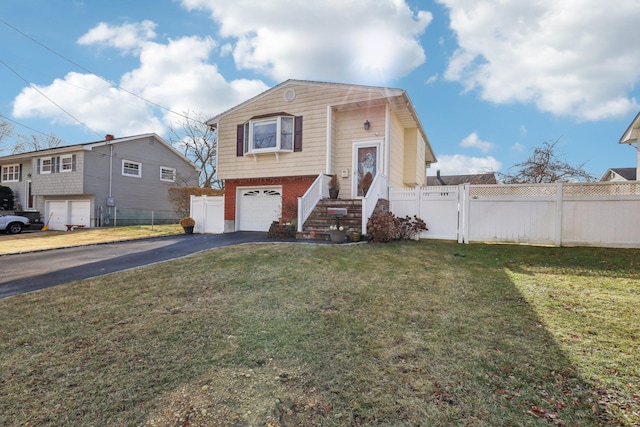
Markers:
point(57, 215)
point(258, 208)
point(63, 212)
point(80, 213)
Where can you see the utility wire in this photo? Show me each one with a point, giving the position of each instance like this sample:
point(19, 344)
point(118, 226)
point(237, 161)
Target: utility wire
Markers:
point(34, 87)
point(92, 73)
point(23, 125)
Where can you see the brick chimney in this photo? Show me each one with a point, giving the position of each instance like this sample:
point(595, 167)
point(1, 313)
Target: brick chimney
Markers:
point(108, 137)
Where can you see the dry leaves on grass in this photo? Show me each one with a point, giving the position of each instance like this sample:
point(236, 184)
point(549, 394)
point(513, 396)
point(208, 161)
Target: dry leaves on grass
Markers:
point(265, 395)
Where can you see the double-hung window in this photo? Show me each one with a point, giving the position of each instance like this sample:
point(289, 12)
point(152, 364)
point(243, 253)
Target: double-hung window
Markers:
point(11, 173)
point(167, 174)
point(271, 134)
point(46, 165)
point(66, 163)
point(130, 168)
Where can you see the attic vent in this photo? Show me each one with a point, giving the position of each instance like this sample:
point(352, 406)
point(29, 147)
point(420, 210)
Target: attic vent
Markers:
point(289, 95)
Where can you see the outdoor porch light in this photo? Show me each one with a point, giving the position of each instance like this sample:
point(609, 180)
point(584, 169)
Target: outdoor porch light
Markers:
point(367, 125)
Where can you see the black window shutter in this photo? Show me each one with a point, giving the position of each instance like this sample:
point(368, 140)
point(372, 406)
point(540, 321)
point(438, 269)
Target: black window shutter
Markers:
point(240, 141)
point(20, 172)
point(38, 167)
point(297, 134)
point(73, 162)
point(55, 164)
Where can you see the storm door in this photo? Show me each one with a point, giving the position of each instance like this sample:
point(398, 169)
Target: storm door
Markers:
point(366, 160)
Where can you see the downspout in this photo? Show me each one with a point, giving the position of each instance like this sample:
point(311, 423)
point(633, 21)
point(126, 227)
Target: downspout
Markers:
point(387, 148)
point(110, 168)
point(329, 139)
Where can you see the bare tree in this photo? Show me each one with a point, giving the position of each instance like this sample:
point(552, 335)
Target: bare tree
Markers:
point(545, 166)
point(199, 143)
point(6, 131)
point(26, 143)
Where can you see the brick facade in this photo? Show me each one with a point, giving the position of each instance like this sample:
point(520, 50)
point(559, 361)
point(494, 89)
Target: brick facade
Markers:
point(292, 188)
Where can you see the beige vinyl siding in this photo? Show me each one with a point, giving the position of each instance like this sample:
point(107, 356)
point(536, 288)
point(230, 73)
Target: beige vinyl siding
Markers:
point(414, 161)
point(350, 130)
point(421, 171)
point(410, 158)
point(396, 176)
point(311, 103)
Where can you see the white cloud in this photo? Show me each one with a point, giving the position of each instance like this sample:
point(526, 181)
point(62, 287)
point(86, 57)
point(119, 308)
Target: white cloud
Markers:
point(473, 141)
point(176, 75)
point(90, 100)
point(432, 79)
point(347, 40)
point(518, 147)
point(458, 164)
point(127, 37)
point(570, 58)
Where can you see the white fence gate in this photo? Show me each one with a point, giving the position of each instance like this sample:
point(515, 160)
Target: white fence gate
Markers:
point(208, 212)
point(585, 214)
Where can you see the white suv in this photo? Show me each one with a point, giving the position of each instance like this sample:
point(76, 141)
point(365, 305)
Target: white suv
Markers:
point(13, 224)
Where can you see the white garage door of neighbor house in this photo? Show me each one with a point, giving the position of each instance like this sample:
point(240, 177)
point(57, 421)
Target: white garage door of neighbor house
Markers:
point(258, 208)
point(63, 212)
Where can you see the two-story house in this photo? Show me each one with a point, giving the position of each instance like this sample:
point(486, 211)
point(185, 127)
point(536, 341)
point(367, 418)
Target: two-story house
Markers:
point(88, 184)
point(282, 145)
point(632, 136)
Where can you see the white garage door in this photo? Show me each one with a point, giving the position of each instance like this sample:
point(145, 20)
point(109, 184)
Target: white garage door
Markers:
point(63, 212)
point(57, 215)
point(258, 208)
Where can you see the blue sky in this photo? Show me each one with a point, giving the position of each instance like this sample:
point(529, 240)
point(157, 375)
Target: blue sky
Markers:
point(490, 79)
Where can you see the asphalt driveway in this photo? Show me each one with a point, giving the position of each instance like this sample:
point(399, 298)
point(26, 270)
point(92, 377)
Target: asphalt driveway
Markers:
point(29, 272)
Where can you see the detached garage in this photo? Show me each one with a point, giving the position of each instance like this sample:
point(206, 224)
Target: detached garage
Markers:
point(59, 213)
point(258, 208)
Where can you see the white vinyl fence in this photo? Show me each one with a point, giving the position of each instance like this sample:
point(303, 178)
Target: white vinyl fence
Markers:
point(563, 214)
point(208, 212)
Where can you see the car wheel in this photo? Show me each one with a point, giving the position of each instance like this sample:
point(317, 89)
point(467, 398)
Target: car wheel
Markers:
point(14, 228)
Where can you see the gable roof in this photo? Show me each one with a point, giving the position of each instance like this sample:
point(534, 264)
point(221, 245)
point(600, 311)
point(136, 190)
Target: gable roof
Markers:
point(632, 134)
point(398, 99)
point(88, 146)
point(627, 173)
point(479, 178)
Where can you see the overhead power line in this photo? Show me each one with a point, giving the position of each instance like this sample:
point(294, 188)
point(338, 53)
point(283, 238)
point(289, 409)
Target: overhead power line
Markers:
point(115, 85)
point(34, 87)
point(2, 116)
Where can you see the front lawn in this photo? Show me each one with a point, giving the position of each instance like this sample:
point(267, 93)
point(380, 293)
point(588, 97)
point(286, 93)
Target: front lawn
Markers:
point(411, 333)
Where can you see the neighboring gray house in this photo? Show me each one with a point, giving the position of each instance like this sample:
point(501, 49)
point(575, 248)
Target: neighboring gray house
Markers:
point(620, 174)
point(97, 183)
point(479, 178)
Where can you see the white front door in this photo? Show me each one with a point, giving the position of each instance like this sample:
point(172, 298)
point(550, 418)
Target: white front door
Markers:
point(366, 159)
point(258, 207)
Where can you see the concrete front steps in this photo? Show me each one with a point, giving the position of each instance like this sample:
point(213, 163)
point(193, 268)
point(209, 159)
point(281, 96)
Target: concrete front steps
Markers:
point(317, 225)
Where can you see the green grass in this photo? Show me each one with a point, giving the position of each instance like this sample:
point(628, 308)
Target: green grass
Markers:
point(411, 333)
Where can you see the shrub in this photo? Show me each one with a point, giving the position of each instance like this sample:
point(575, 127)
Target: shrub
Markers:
point(385, 226)
point(366, 182)
point(6, 198)
point(187, 222)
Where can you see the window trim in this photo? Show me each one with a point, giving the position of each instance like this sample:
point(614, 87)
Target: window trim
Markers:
point(62, 164)
point(15, 173)
point(139, 166)
point(50, 169)
point(167, 169)
point(249, 142)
